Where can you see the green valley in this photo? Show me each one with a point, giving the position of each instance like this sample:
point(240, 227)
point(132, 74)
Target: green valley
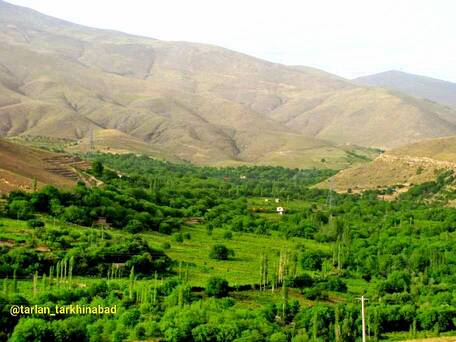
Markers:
point(190, 253)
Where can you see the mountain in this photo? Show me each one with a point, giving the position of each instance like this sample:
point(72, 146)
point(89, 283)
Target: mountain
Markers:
point(407, 165)
point(21, 165)
point(368, 117)
point(195, 102)
point(433, 89)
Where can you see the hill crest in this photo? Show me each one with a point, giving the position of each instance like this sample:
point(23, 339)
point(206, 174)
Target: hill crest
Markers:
point(436, 90)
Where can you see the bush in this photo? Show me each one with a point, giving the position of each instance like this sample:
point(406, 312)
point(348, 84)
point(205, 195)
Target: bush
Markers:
point(217, 287)
point(75, 214)
point(20, 209)
point(35, 223)
point(396, 282)
point(178, 237)
point(300, 281)
point(143, 264)
point(165, 245)
point(228, 235)
point(312, 260)
point(314, 293)
point(31, 329)
point(134, 226)
point(220, 252)
point(165, 228)
point(335, 284)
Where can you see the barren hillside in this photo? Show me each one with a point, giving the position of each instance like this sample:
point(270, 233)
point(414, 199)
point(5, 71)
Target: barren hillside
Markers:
point(191, 101)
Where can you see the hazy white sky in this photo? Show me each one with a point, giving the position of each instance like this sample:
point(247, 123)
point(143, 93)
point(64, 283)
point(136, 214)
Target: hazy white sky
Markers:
point(346, 37)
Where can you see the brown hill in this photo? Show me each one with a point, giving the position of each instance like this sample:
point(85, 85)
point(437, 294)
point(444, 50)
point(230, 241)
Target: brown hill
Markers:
point(414, 85)
point(412, 164)
point(370, 117)
point(191, 101)
point(21, 165)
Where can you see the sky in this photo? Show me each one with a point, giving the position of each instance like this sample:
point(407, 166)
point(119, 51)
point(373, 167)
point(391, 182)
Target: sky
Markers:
point(349, 38)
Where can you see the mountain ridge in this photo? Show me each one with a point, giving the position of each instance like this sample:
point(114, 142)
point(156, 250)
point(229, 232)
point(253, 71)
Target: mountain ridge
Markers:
point(190, 101)
point(414, 85)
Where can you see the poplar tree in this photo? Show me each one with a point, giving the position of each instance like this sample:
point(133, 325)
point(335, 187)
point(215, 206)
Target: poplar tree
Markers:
point(155, 288)
point(35, 280)
point(132, 282)
point(14, 281)
point(5, 286)
point(43, 282)
point(70, 272)
point(57, 273)
point(51, 272)
point(285, 301)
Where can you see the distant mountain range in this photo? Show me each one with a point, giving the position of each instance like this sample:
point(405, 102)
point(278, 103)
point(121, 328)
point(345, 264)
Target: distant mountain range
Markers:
point(414, 85)
point(187, 101)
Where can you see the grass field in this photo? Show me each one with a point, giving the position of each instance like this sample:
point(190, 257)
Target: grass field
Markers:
point(191, 257)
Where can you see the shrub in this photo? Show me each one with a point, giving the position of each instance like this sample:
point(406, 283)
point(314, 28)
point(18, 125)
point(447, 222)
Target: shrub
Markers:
point(314, 293)
point(228, 235)
point(35, 223)
point(134, 226)
point(300, 281)
point(165, 245)
point(178, 237)
point(335, 284)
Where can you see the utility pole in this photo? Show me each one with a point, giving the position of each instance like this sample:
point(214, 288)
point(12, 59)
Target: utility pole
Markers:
point(363, 316)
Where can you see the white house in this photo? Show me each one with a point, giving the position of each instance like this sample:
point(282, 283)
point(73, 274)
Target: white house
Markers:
point(280, 210)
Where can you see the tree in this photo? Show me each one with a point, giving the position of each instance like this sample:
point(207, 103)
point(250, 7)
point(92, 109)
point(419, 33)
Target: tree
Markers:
point(312, 260)
point(397, 281)
point(300, 281)
point(217, 287)
point(335, 284)
point(97, 168)
point(134, 226)
point(20, 209)
point(75, 215)
point(31, 329)
point(70, 329)
point(220, 252)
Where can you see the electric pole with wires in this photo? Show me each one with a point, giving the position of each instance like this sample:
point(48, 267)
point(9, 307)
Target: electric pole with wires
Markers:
point(363, 316)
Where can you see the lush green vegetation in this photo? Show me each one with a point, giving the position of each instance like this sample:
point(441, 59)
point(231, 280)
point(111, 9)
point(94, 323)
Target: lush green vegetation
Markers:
point(200, 254)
